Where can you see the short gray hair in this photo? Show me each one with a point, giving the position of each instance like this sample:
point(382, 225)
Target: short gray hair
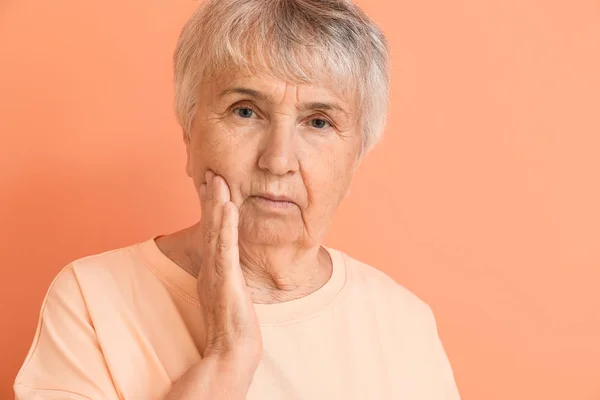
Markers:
point(292, 40)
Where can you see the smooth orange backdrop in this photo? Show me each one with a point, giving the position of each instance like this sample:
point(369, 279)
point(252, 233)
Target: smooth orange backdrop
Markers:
point(483, 198)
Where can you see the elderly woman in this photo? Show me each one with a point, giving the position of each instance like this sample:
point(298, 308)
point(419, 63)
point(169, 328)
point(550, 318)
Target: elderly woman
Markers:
point(278, 101)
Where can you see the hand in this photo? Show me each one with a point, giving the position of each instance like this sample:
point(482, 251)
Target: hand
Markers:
point(231, 323)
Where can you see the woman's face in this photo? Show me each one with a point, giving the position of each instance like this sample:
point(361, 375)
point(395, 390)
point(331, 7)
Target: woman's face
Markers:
point(271, 139)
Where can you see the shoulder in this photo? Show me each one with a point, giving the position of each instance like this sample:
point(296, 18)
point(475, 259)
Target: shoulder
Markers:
point(116, 263)
point(111, 261)
point(93, 273)
point(378, 285)
point(407, 326)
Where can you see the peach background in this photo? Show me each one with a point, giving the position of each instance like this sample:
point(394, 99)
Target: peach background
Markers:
point(484, 198)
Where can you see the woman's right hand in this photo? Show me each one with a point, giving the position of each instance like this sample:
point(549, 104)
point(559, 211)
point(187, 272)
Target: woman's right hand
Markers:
point(232, 328)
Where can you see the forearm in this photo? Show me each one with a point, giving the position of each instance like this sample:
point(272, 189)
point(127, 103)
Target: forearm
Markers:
point(213, 378)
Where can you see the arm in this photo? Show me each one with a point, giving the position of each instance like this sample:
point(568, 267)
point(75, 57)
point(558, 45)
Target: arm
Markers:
point(213, 378)
point(234, 339)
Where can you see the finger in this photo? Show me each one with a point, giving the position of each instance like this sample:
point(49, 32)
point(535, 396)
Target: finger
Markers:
point(212, 220)
point(209, 178)
point(202, 193)
point(206, 199)
point(228, 258)
point(203, 208)
point(220, 195)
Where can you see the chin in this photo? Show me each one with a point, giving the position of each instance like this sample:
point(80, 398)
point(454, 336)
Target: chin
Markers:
point(268, 231)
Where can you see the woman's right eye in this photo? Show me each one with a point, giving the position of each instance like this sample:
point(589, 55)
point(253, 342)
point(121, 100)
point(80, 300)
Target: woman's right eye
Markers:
point(244, 112)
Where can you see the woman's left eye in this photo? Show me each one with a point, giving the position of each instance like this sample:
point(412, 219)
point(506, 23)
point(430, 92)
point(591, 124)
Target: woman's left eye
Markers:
point(319, 123)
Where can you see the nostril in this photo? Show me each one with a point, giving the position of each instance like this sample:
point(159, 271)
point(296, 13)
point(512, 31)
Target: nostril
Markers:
point(276, 164)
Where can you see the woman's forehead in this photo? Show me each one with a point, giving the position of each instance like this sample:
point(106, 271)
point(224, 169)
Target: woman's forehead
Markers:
point(324, 88)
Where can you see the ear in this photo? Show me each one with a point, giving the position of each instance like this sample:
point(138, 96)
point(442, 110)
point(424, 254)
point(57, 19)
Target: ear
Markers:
point(188, 163)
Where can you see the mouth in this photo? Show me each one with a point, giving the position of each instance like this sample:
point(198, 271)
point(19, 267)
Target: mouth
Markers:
point(274, 197)
point(273, 201)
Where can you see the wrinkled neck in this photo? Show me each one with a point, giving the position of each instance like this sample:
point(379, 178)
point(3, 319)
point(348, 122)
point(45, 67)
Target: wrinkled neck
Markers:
point(284, 272)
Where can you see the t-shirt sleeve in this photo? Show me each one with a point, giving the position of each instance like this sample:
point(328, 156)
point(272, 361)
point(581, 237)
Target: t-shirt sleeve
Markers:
point(65, 360)
point(443, 374)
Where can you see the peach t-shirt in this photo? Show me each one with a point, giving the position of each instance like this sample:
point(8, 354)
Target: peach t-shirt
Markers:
point(126, 324)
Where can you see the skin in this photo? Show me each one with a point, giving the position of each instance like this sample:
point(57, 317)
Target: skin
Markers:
point(255, 137)
point(271, 145)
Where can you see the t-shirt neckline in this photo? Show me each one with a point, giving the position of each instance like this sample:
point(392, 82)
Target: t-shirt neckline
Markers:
point(286, 312)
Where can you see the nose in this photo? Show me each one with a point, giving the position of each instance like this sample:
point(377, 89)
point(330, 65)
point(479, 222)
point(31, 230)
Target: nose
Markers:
point(278, 152)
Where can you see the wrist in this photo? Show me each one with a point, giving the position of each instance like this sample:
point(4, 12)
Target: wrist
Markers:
point(236, 367)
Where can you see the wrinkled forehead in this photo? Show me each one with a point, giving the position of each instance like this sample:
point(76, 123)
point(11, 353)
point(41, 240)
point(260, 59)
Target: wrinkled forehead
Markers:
point(292, 66)
point(320, 88)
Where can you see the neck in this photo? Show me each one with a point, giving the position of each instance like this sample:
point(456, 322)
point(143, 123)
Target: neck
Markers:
point(273, 273)
point(277, 273)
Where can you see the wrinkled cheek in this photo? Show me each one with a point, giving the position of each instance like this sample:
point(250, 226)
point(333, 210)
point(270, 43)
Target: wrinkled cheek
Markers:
point(331, 195)
point(317, 216)
point(236, 194)
point(199, 167)
point(223, 166)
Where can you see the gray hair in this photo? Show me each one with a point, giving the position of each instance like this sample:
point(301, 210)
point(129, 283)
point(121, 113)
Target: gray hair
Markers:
point(293, 40)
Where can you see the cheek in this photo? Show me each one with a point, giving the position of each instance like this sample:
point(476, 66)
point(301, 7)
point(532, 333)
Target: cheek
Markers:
point(327, 179)
point(218, 150)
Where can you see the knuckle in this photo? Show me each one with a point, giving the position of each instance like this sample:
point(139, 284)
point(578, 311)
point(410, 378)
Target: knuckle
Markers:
point(223, 245)
point(211, 235)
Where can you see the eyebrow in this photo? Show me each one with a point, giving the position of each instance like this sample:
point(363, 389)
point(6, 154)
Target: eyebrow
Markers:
point(240, 90)
point(316, 105)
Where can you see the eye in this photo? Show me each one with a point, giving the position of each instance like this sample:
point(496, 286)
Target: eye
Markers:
point(244, 112)
point(319, 123)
